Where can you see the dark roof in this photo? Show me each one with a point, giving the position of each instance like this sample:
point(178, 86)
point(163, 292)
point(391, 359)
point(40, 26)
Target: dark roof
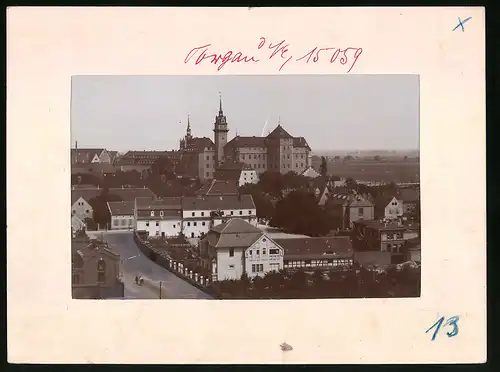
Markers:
point(300, 142)
point(247, 142)
point(222, 202)
point(152, 153)
point(231, 165)
point(84, 155)
point(171, 202)
point(234, 226)
point(218, 187)
point(200, 143)
point(124, 208)
point(279, 132)
point(373, 258)
point(325, 247)
point(408, 195)
point(381, 226)
point(96, 168)
point(236, 233)
point(127, 194)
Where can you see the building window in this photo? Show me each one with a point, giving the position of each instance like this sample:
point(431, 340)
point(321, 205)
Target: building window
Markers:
point(261, 267)
point(208, 174)
point(231, 266)
point(189, 223)
point(249, 212)
point(203, 223)
point(86, 211)
point(157, 223)
point(241, 212)
point(161, 214)
point(208, 157)
point(147, 224)
point(101, 271)
point(274, 251)
point(208, 165)
point(192, 235)
point(264, 251)
point(258, 252)
point(124, 222)
point(73, 211)
point(399, 235)
point(174, 225)
point(192, 214)
point(194, 223)
point(152, 213)
point(231, 252)
point(202, 214)
point(390, 236)
point(308, 262)
point(232, 213)
point(360, 211)
point(253, 268)
point(115, 222)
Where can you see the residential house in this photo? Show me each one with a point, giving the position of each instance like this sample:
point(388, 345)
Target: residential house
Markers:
point(410, 198)
point(200, 213)
point(349, 208)
point(96, 270)
point(158, 216)
point(379, 235)
point(388, 207)
point(316, 253)
point(89, 155)
point(122, 215)
point(77, 224)
point(236, 247)
point(236, 171)
point(80, 207)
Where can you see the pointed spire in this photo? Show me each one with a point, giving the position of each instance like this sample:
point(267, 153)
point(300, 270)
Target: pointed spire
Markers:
point(220, 103)
point(279, 120)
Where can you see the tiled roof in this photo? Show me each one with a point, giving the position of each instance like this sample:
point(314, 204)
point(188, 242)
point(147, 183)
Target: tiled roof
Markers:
point(171, 202)
point(234, 226)
point(151, 153)
point(279, 132)
point(224, 202)
point(247, 142)
point(327, 247)
point(218, 187)
point(234, 233)
point(124, 208)
point(84, 155)
point(126, 194)
point(231, 165)
point(300, 142)
point(200, 143)
point(97, 168)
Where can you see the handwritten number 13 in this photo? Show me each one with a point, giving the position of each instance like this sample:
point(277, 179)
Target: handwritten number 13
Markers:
point(453, 322)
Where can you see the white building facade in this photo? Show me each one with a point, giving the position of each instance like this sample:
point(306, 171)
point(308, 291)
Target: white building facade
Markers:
point(262, 257)
point(122, 215)
point(82, 209)
point(248, 176)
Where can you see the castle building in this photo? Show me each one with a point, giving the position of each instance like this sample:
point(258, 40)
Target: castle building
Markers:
point(277, 152)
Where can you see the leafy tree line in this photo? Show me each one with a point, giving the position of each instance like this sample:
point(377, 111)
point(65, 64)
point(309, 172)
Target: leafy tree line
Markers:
point(354, 282)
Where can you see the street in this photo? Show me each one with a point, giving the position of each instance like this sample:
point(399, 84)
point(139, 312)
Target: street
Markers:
point(135, 263)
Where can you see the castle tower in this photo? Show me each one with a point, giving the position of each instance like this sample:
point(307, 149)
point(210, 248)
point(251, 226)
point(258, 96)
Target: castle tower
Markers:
point(220, 134)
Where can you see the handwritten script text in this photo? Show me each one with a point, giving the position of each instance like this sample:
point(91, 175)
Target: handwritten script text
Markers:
point(280, 51)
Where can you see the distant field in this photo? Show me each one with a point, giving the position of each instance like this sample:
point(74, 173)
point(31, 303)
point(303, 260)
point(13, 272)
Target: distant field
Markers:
point(370, 170)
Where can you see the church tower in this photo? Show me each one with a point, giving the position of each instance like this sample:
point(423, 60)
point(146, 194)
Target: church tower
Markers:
point(220, 134)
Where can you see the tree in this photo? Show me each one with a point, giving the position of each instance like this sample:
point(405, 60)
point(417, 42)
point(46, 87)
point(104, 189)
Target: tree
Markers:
point(351, 183)
point(271, 183)
point(299, 213)
point(100, 206)
point(377, 158)
point(323, 169)
point(163, 166)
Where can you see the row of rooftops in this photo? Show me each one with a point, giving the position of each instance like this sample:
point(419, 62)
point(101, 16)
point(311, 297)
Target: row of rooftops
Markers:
point(237, 233)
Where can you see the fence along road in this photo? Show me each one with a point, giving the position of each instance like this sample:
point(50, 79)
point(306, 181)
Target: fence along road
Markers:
point(135, 263)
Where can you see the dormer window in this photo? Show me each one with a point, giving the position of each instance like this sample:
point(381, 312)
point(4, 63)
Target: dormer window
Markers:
point(152, 213)
point(161, 214)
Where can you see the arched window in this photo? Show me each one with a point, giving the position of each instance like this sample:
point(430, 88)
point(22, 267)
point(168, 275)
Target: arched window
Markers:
point(76, 261)
point(101, 271)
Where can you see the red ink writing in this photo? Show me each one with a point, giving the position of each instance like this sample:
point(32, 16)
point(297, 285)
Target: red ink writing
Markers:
point(279, 51)
point(215, 58)
point(315, 54)
point(280, 47)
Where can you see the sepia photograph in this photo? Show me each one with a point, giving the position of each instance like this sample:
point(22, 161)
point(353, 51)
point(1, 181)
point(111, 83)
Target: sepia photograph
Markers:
point(245, 187)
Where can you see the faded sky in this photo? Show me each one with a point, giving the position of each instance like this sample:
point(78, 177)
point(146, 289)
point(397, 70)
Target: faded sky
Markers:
point(333, 112)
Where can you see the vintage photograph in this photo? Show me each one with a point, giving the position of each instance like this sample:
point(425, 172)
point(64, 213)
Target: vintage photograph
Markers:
point(245, 187)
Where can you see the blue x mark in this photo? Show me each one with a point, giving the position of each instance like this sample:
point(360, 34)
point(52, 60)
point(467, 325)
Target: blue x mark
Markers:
point(461, 23)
